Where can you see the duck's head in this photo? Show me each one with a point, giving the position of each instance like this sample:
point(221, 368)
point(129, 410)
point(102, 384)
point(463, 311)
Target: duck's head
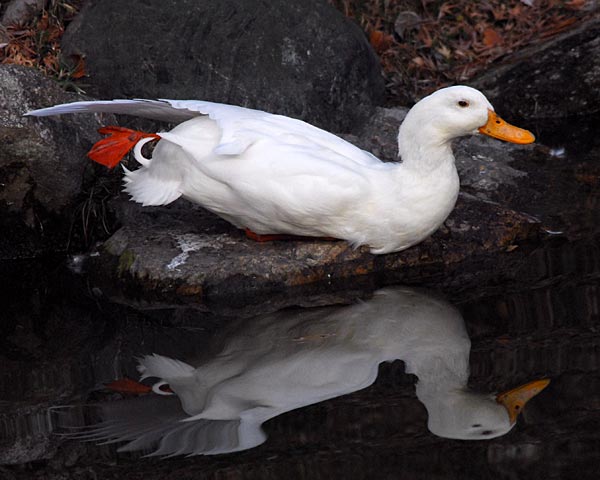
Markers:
point(470, 416)
point(454, 112)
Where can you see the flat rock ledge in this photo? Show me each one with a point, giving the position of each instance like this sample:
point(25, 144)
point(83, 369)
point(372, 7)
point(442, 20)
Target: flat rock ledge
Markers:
point(185, 256)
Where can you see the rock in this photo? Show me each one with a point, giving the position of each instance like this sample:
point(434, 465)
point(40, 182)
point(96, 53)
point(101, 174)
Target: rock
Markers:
point(301, 59)
point(43, 169)
point(485, 165)
point(380, 134)
point(177, 255)
point(555, 79)
point(4, 37)
point(21, 11)
point(406, 21)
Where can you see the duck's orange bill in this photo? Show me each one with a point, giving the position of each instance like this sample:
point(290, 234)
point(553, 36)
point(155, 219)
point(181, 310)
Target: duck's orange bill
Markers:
point(498, 128)
point(127, 385)
point(110, 150)
point(514, 400)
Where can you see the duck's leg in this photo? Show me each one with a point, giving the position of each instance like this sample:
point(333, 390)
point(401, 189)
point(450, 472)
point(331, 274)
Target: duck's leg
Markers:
point(110, 150)
point(281, 236)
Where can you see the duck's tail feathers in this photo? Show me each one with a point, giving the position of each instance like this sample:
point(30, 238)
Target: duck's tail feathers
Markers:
point(156, 182)
point(149, 189)
point(164, 367)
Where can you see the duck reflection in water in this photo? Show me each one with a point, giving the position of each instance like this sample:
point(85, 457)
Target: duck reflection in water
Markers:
point(286, 360)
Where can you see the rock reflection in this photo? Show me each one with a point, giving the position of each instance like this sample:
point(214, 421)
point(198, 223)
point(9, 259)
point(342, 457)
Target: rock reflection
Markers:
point(283, 361)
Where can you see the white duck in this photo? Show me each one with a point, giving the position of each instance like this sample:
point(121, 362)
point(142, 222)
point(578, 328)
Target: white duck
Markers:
point(272, 174)
point(279, 362)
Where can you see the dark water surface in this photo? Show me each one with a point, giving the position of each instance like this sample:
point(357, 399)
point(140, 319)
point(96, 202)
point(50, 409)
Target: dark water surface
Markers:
point(61, 341)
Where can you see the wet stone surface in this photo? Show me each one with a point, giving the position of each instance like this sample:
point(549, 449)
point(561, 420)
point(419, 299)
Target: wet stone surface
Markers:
point(181, 255)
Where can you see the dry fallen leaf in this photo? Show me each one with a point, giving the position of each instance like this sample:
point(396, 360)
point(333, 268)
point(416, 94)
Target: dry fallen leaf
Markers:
point(576, 4)
point(491, 37)
point(79, 70)
point(380, 41)
point(418, 61)
point(587, 178)
point(444, 51)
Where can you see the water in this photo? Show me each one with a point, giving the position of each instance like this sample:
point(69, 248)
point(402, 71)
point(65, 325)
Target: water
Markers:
point(61, 342)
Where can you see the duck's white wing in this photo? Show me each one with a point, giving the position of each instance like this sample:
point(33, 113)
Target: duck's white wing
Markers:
point(152, 109)
point(240, 127)
point(155, 424)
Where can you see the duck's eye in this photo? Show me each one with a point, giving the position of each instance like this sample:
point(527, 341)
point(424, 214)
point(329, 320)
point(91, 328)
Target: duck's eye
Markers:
point(476, 425)
point(463, 103)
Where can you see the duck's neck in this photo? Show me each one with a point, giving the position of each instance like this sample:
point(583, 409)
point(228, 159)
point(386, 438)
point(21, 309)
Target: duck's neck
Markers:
point(443, 371)
point(422, 148)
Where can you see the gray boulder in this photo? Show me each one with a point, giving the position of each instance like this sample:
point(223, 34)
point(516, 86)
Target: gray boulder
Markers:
point(301, 59)
point(43, 168)
point(21, 11)
point(181, 256)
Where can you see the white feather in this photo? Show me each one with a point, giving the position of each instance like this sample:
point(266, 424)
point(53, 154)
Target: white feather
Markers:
point(166, 368)
point(152, 109)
